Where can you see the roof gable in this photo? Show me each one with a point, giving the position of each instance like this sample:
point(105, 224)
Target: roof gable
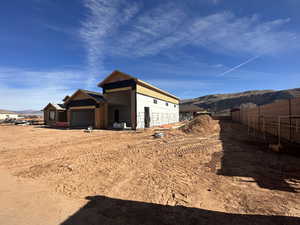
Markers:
point(54, 106)
point(115, 76)
point(88, 94)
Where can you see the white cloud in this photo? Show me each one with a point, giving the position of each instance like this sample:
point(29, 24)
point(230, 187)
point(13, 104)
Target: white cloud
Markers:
point(28, 98)
point(121, 28)
point(30, 89)
point(103, 19)
point(22, 89)
point(222, 32)
point(126, 29)
point(168, 26)
point(227, 33)
point(215, 2)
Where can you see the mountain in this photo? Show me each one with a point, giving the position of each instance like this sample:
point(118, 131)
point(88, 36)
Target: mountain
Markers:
point(222, 103)
point(29, 112)
point(23, 112)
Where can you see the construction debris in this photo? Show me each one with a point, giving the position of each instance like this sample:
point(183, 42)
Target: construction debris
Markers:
point(89, 129)
point(158, 135)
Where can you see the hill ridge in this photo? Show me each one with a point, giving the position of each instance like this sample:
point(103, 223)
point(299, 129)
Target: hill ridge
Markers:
point(224, 102)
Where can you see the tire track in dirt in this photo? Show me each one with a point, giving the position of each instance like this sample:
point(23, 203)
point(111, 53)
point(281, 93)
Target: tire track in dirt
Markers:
point(179, 169)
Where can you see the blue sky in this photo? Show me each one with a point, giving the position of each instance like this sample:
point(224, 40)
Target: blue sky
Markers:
point(50, 48)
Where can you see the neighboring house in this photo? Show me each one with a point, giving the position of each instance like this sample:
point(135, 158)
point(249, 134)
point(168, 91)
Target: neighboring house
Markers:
point(54, 113)
point(125, 99)
point(8, 115)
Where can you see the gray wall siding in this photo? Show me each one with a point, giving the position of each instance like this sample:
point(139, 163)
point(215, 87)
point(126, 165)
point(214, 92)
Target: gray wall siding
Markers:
point(160, 113)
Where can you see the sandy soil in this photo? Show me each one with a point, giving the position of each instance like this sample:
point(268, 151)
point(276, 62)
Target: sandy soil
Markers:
point(30, 202)
point(194, 176)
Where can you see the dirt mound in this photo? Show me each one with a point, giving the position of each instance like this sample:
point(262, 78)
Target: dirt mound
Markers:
point(203, 125)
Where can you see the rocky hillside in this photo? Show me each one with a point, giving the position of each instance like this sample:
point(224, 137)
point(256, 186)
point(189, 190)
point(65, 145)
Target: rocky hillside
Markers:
point(222, 103)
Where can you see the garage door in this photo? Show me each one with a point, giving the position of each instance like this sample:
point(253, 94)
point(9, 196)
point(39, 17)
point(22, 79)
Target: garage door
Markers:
point(82, 118)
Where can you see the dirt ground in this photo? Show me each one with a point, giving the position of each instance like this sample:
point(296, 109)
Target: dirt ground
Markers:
point(213, 174)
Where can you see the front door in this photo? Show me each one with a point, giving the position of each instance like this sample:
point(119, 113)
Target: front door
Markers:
point(147, 117)
point(117, 116)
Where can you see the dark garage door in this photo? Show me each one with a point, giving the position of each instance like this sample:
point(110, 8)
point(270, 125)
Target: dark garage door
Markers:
point(82, 118)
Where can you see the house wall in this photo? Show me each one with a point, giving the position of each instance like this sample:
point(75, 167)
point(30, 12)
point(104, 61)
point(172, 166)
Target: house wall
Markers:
point(61, 116)
point(88, 103)
point(141, 95)
point(47, 120)
point(155, 94)
point(100, 117)
point(159, 113)
point(124, 114)
point(46, 116)
point(120, 100)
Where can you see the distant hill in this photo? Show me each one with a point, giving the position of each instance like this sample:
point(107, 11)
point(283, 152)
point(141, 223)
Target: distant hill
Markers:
point(29, 112)
point(23, 112)
point(6, 111)
point(222, 103)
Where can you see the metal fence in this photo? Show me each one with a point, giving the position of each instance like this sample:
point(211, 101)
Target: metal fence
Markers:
point(280, 119)
point(157, 119)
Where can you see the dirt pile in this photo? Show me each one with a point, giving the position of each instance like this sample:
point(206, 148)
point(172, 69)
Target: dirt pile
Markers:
point(203, 125)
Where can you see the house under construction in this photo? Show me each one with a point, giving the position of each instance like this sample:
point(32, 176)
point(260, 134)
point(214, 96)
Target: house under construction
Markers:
point(125, 99)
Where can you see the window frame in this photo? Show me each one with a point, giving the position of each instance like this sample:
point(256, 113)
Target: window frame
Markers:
point(52, 115)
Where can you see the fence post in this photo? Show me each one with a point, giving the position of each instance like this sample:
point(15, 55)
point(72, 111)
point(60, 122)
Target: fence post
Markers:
point(264, 130)
point(290, 118)
point(259, 119)
point(279, 130)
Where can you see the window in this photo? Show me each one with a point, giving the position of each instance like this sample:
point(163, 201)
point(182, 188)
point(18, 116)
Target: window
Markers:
point(174, 106)
point(167, 104)
point(52, 115)
point(154, 101)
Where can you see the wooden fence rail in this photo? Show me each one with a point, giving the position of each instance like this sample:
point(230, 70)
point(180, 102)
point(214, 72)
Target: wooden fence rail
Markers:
point(281, 119)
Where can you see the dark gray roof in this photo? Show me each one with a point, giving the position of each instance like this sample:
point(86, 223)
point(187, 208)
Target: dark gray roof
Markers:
point(66, 98)
point(62, 106)
point(56, 106)
point(96, 95)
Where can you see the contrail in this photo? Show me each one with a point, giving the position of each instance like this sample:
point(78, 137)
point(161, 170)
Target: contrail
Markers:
point(238, 66)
